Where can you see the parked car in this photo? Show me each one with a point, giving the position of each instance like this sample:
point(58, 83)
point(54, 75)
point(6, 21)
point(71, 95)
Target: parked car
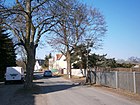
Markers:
point(47, 73)
point(14, 74)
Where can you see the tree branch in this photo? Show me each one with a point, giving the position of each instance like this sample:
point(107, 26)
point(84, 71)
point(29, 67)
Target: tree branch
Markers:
point(39, 5)
point(40, 33)
point(13, 30)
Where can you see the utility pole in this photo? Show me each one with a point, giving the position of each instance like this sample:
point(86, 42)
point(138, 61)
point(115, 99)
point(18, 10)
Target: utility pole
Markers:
point(88, 73)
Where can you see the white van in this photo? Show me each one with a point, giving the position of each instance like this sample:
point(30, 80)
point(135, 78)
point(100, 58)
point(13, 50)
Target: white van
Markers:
point(14, 74)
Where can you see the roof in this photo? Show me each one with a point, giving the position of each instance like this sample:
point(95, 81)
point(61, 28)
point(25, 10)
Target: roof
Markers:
point(40, 61)
point(58, 56)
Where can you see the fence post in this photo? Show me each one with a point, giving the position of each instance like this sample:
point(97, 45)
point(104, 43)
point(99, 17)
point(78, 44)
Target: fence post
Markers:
point(99, 77)
point(116, 76)
point(134, 80)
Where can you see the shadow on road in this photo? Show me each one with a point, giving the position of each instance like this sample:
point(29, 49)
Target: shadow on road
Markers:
point(15, 94)
point(56, 88)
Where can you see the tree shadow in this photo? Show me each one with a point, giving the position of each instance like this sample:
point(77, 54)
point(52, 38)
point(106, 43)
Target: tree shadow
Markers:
point(56, 88)
point(16, 94)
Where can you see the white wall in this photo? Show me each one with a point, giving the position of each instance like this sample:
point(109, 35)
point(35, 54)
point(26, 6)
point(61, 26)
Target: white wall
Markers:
point(60, 64)
point(76, 72)
point(37, 67)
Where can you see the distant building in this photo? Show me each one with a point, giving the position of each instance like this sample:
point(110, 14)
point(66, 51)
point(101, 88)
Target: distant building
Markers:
point(137, 66)
point(38, 64)
point(58, 62)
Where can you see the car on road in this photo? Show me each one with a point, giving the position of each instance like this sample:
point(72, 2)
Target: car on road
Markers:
point(47, 73)
point(14, 74)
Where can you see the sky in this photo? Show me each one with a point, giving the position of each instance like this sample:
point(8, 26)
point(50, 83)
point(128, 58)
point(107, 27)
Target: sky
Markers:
point(122, 39)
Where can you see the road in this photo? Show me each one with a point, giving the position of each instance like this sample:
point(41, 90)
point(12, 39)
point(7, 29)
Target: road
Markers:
point(7, 93)
point(58, 91)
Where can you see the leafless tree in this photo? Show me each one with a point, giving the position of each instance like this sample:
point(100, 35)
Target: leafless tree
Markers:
point(29, 20)
point(76, 24)
point(22, 55)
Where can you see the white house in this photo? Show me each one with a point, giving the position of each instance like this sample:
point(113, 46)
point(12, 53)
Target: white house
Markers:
point(58, 62)
point(38, 64)
point(137, 66)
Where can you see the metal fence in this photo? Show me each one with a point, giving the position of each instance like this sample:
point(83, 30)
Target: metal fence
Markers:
point(129, 81)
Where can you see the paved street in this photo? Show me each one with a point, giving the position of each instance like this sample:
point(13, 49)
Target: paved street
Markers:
point(58, 91)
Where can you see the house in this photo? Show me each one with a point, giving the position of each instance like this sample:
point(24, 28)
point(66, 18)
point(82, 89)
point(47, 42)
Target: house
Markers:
point(38, 64)
point(137, 66)
point(58, 62)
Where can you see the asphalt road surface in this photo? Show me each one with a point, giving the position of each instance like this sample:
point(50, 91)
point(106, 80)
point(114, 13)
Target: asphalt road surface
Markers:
point(58, 91)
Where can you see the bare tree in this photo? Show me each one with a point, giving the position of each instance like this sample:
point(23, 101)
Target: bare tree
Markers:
point(76, 23)
point(68, 31)
point(22, 54)
point(29, 20)
point(134, 59)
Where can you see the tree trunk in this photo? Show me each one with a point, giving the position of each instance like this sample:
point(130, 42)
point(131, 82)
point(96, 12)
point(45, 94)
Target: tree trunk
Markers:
point(2, 72)
point(69, 64)
point(30, 66)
